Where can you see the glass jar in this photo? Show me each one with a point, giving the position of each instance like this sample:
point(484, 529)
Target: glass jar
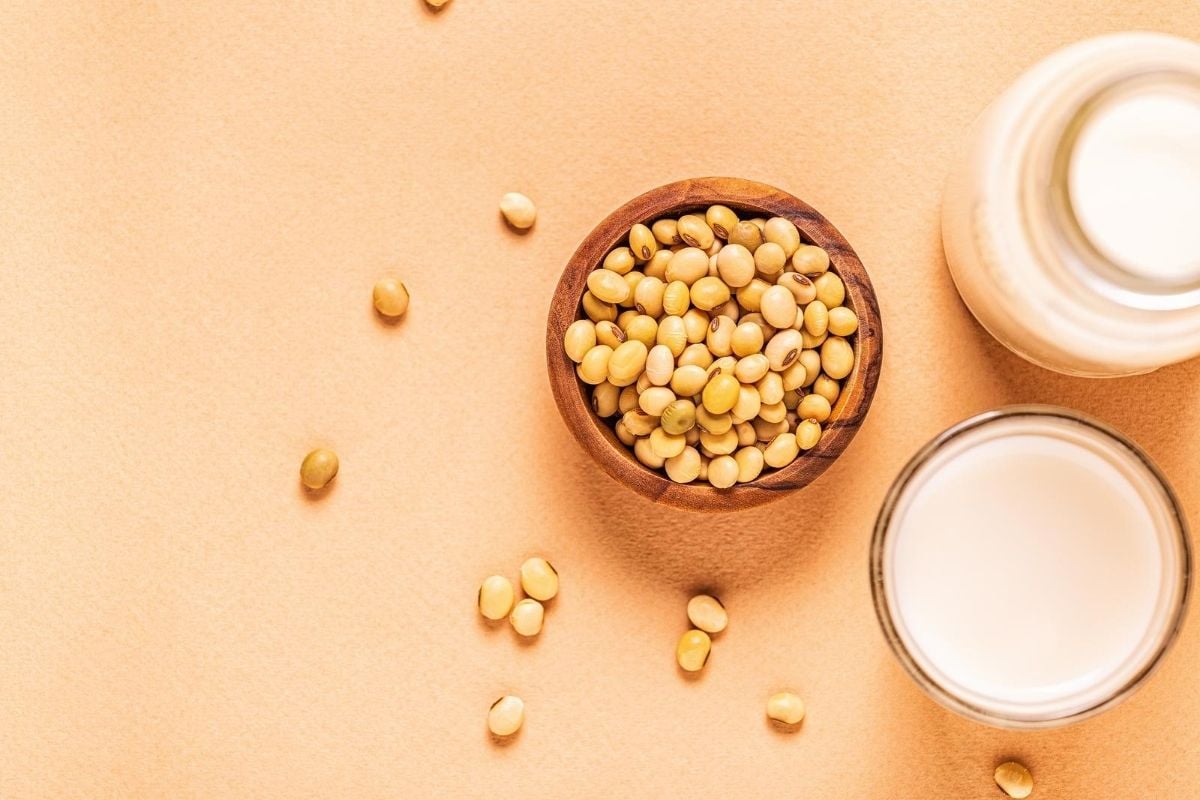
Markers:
point(1071, 224)
point(1030, 567)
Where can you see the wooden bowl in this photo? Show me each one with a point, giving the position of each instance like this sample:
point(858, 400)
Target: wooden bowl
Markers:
point(750, 199)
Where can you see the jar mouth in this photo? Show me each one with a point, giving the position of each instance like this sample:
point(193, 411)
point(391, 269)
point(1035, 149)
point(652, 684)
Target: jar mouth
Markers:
point(1159, 634)
point(1125, 219)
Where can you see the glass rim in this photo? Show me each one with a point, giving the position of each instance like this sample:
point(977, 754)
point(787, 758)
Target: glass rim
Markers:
point(883, 612)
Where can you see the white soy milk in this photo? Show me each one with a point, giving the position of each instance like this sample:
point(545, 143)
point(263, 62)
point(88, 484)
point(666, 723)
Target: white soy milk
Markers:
point(1031, 566)
point(1135, 183)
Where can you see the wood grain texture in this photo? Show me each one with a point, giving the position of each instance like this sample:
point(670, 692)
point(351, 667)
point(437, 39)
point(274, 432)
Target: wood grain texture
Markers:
point(673, 199)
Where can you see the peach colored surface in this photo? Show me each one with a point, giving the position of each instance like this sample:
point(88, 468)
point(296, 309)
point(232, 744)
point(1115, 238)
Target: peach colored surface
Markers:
point(195, 199)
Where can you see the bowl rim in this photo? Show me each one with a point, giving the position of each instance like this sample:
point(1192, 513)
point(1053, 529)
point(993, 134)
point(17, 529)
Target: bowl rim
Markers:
point(673, 199)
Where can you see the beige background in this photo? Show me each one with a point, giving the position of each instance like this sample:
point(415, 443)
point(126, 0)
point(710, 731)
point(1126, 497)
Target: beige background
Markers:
point(196, 199)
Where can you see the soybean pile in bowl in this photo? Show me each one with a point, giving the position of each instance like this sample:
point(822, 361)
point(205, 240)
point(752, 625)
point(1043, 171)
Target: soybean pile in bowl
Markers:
point(575, 377)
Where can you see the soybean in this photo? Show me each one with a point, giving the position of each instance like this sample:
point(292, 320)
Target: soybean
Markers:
point(519, 210)
point(707, 613)
point(527, 616)
point(694, 646)
point(390, 297)
point(506, 716)
point(318, 468)
point(495, 597)
point(539, 578)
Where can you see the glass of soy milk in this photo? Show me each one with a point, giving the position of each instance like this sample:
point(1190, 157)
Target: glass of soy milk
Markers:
point(1030, 567)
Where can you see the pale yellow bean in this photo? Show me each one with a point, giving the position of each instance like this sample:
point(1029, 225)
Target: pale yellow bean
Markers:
point(676, 299)
point(692, 651)
point(747, 339)
point(695, 354)
point(638, 422)
point(811, 360)
point(770, 387)
point(783, 349)
point(708, 293)
point(623, 435)
point(721, 219)
point(648, 296)
point(842, 321)
point(689, 380)
point(594, 367)
point(750, 295)
point(709, 422)
point(643, 453)
point(766, 431)
point(605, 399)
point(837, 357)
point(777, 412)
point(694, 231)
point(828, 388)
point(496, 596)
point(507, 714)
point(721, 393)
point(685, 467)
point(607, 286)
point(627, 362)
point(610, 334)
point(810, 260)
point(816, 318)
point(660, 365)
point(628, 399)
point(745, 434)
point(656, 267)
point(672, 333)
point(720, 336)
point(580, 337)
point(814, 406)
point(729, 308)
point(723, 471)
point(785, 708)
point(783, 233)
point(735, 265)
point(751, 368)
point(642, 242)
point(813, 342)
point(519, 210)
point(769, 260)
point(597, 310)
point(808, 433)
point(679, 417)
point(632, 279)
point(688, 264)
point(666, 233)
point(619, 261)
point(695, 325)
point(746, 234)
point(750, 462)
point(666, 445)
point(782, 450)
point(746, 408)
point(794, 376)
point(802, 288)
point(655, 399)
point(642, 328)
point(724, 365)
point(539, 579)
point(830, 289)
point(778, 306)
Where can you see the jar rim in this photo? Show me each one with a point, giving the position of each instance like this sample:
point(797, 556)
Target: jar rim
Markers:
point(1050, 197)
